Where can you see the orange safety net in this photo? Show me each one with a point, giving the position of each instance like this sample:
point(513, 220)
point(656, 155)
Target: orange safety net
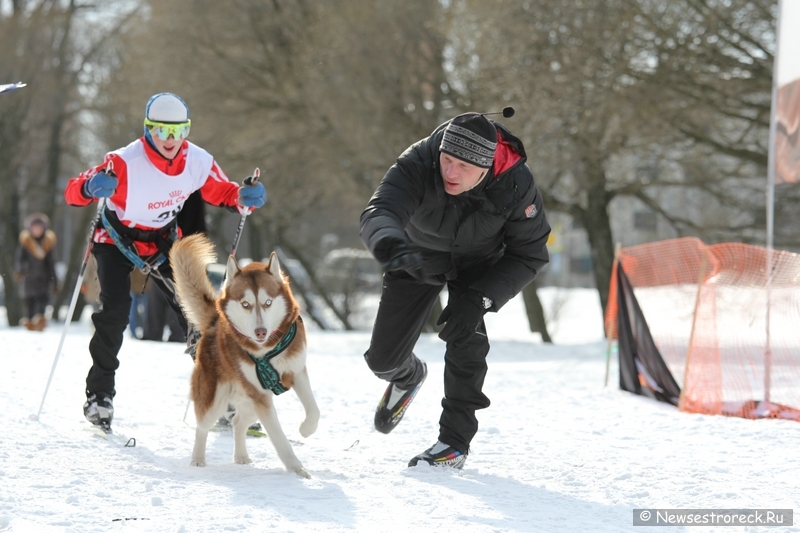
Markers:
point(729, 333)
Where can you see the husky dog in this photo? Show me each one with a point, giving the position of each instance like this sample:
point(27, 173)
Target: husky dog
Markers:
point(253, 346)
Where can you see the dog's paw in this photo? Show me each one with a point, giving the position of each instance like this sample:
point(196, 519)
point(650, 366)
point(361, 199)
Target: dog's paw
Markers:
point(242, 459)
point(198, 462)
point(309, 426)
point(300, 471)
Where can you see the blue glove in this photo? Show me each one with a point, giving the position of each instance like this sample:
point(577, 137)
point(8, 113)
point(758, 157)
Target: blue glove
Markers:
point(252, 195)
point(461, 317)
point(101, 185)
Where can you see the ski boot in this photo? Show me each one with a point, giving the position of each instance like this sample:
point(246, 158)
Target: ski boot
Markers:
point(394, 403)
point(99, 409)
point(441, 454)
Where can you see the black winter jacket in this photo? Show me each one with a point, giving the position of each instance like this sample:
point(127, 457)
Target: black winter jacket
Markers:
point(500, 221)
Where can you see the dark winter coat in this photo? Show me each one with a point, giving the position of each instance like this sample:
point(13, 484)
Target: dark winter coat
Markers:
point(500, 221)
point(34, 264)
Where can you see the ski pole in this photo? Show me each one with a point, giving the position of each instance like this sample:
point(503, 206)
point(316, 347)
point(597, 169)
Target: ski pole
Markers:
point(250, 180)
point(95, 221)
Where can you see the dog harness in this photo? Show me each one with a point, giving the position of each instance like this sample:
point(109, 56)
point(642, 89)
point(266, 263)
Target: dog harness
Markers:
point(267, 375)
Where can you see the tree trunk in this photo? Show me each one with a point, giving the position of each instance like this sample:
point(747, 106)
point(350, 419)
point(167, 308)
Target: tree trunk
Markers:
point(535, 311)
point(598, 227)
point(53, 155)
point(256, 241)
point(9, 238)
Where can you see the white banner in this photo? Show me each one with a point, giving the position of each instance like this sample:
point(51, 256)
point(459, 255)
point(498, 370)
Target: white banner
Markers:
point(787, 110)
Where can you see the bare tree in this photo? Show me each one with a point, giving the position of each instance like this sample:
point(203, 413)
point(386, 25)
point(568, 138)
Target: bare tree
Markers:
point(588, 85)
point(38, 44)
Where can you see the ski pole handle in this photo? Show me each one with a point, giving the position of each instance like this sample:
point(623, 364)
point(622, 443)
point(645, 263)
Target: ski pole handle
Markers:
point(248, 181)
point(252, 180)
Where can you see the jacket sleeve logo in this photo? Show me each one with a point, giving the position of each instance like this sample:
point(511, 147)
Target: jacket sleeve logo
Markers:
point(531, 211)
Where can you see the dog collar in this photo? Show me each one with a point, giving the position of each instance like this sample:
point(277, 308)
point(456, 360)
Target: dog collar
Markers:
point(267, 375)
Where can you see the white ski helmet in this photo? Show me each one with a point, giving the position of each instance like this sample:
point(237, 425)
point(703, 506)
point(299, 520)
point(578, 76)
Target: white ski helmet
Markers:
point(166, 107)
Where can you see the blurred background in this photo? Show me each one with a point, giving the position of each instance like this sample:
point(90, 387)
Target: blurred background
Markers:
point(642, 119)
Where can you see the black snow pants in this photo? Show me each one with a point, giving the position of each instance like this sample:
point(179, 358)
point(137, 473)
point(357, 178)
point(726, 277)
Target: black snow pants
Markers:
point(404, 309)
point(114, 273)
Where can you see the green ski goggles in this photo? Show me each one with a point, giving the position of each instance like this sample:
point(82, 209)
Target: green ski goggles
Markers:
point(164, 130)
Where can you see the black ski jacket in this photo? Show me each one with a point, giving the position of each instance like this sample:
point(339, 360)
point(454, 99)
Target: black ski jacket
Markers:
point(500, 221)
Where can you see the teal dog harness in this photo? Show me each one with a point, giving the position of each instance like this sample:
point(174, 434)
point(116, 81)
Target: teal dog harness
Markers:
point(267, 375)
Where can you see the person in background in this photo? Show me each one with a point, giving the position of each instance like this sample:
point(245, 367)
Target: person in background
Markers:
point(145, 186)
point(34, 268)
point(158, 314)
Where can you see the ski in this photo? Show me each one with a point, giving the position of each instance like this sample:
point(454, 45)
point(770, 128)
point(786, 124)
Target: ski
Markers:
point(106, 432)
point(11, 86)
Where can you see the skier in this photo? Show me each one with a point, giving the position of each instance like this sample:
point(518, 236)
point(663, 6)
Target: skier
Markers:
point(35, 269)
point(459, 209)
point(145, 190)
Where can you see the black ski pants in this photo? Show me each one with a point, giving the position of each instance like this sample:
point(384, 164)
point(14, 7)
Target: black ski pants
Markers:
point(404, 309)
point(114, 273)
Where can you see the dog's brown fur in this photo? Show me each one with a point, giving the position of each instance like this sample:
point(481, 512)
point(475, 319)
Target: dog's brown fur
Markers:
point(252, 313)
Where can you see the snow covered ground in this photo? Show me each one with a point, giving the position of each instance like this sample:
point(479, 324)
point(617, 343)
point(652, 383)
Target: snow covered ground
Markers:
point(556, 450)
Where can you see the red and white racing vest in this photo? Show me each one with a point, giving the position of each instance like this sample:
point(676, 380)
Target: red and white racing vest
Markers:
point(153, 198)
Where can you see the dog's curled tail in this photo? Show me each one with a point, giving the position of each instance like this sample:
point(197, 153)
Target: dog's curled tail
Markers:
point(189, 258)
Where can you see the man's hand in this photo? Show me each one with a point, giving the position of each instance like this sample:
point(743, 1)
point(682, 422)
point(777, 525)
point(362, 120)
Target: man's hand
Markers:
point(101, 185)
point(410, 261)
point(461, 317)
point(402, 256)
point(252, 196)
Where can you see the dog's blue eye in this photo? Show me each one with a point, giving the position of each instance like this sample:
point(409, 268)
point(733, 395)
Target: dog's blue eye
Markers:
point(268, 303)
